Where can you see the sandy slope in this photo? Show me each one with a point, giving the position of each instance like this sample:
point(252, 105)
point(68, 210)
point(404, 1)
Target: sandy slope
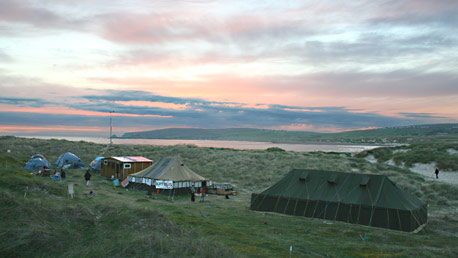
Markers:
point(427, 170)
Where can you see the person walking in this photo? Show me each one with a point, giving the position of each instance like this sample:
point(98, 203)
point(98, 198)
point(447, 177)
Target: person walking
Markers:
point(437, 173)
point(63, 175)
point(87, 176)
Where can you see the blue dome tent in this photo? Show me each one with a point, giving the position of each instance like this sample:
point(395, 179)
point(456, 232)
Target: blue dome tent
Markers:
point(38, 156)
point(96, 164)
point(68, 160)
point(37, 164)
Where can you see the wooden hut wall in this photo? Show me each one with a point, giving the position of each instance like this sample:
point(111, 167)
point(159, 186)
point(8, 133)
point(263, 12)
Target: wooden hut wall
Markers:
point(117, 168)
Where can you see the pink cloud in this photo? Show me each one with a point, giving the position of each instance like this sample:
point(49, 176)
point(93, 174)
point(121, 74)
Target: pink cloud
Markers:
point(153, 104)
point(157, 27)
point(358, 92)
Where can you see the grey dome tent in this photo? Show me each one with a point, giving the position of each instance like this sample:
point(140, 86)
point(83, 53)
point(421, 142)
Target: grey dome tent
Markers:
point(371, 200)
point(68, 160)
point(96, 164)
point(37, 164)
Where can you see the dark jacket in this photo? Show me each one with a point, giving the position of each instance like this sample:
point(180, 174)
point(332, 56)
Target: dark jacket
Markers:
point(62, 174)
point(87, 176)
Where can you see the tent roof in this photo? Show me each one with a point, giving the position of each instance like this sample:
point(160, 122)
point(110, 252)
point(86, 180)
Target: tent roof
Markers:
point(69, 155)
point(350, 188)
point(36, 163)
point(69, 160)
point(169, 169)
point(38, 156)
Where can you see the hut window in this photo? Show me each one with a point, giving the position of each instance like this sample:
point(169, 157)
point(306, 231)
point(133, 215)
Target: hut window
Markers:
point(105, 162)
point(127, 165)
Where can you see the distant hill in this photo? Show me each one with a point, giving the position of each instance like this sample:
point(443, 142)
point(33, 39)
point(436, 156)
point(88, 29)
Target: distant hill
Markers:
point(394, 134)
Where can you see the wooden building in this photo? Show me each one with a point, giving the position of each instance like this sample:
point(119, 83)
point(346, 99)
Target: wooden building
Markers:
point(120, 167)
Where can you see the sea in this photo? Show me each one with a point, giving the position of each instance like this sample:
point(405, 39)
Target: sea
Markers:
point(241, 145)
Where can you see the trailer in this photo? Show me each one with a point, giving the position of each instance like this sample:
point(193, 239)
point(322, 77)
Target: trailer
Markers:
point(222, 189)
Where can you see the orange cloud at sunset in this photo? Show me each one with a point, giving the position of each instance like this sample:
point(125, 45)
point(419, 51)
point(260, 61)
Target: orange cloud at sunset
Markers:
point(153, 104)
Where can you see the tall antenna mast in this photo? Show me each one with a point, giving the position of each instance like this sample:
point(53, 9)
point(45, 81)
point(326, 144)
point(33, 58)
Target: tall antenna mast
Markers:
point(111, 129)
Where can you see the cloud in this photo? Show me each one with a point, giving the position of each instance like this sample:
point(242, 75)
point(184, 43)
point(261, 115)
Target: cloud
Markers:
point(415, 12)
point(4, 58)
point(24, 102)
point(327, 64)
point(422, 115)
point(397, 84)
point(197, 113)
point(20, 11)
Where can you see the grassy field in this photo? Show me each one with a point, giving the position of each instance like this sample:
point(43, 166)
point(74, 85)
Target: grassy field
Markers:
point(38, 219)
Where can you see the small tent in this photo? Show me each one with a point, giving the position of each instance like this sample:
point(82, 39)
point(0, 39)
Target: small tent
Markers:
point(371, 200)
point(169, 173)
point(96, 164)
point(38, 156)
point(36, 164)
point(68, 160)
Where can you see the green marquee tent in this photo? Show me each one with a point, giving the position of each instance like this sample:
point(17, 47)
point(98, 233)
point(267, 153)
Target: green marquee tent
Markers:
point(371, 200)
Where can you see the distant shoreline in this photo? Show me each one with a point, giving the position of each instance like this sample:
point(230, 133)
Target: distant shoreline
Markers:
point(275, 142)
point(229, 144)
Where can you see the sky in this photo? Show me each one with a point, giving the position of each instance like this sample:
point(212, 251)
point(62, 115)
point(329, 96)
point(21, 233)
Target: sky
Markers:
point(67, 67)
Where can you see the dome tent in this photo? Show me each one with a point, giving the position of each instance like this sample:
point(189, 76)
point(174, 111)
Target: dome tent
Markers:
point(68, 160)
point(38, 156)
point(36, 164)
point(96, 164)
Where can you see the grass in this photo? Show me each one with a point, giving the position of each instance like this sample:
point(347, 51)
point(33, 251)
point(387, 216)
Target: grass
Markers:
point(117, 222)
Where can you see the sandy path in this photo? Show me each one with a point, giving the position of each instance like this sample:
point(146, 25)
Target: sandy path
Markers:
point(427, 170)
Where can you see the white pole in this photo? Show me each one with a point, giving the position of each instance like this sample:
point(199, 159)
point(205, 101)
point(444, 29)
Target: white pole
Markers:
point(111, 129)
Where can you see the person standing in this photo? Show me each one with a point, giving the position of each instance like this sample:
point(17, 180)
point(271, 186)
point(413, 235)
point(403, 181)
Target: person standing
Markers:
point(437, 173)
point(202, 194)
point(63, 175)
point(87, 176)
point(193, 194)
